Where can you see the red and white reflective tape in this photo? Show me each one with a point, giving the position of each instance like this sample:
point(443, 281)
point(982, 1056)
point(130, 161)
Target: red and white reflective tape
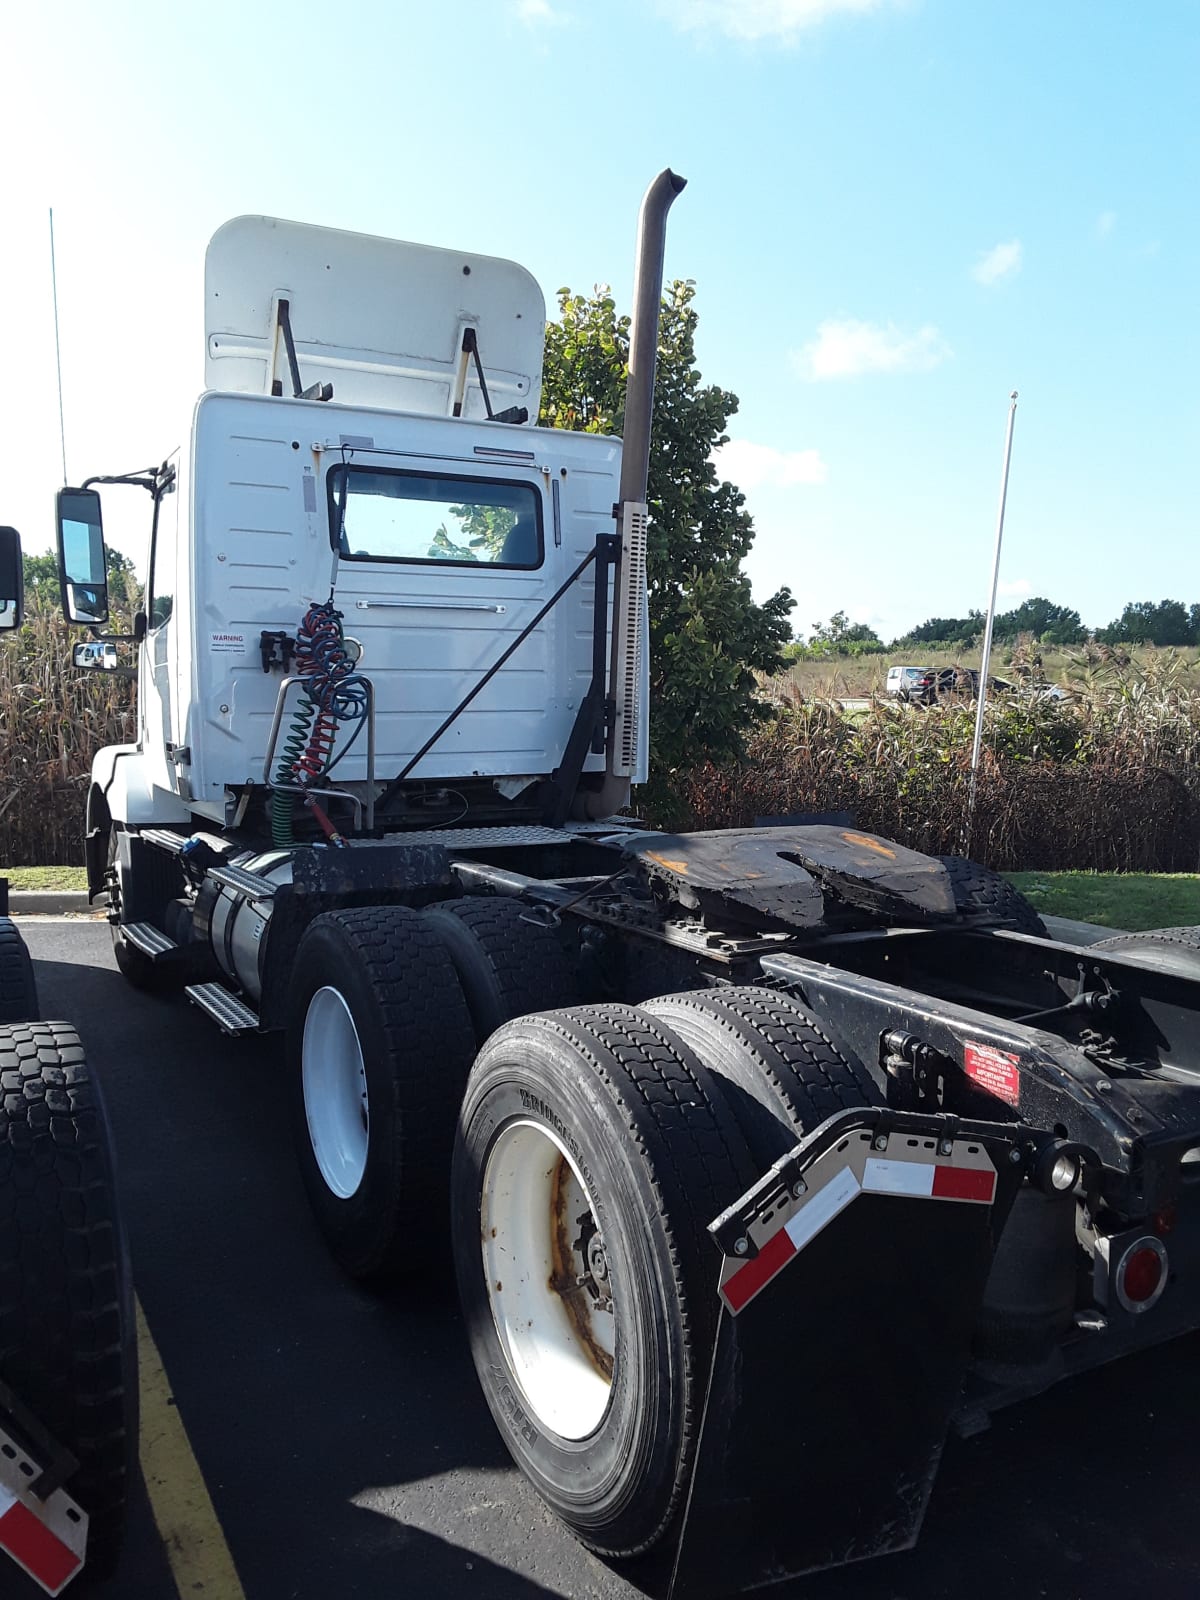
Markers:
point(840, 1176)
point(47, 1539)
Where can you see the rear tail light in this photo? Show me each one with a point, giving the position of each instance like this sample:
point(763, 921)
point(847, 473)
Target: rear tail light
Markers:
point(1140, 1274)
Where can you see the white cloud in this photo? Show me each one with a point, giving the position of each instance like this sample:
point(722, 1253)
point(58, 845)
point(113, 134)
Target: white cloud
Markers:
point(846, 349)
point(760, 19)
point(1105, 223)
point(999, 263)
point(752, 466)
point(1015, 586)
point(537, 13)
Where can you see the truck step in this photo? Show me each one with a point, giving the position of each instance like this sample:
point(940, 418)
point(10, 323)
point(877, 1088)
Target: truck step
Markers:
point(164, 839)
point(230, 1014)
point(248, 883)
point(151, 941)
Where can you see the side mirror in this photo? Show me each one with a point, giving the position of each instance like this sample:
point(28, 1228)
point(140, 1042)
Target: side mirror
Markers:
point(12, 579)
point(96, 655)
point(82, 567)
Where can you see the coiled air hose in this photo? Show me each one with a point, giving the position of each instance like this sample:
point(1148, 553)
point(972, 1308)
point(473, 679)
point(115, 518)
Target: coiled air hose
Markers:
point(334, 694)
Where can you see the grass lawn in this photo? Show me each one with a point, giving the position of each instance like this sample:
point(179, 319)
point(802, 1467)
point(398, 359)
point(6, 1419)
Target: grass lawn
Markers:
point(45, 877)
point(1132, 900)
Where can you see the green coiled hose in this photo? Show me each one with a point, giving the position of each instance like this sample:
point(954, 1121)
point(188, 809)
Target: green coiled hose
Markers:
point(283, 800)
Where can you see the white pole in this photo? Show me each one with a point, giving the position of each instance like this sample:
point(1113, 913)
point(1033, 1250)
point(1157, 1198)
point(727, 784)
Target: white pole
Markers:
point(981, 701)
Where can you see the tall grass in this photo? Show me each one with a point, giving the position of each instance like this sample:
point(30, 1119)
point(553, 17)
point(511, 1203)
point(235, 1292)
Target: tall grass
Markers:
point(1110, 781)
point(52, 721)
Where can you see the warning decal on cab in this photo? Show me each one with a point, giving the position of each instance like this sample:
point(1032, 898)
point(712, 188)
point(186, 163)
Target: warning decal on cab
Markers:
point(994, 1070)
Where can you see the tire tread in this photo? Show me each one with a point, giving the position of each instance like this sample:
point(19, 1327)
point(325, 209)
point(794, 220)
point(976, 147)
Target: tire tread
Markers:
point(64, 1291)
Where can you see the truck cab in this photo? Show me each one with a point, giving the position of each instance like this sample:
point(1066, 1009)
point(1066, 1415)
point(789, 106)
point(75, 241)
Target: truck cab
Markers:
point(348, 451)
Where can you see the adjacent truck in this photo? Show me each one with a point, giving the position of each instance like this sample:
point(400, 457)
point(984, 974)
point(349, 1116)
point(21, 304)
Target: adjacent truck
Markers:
point(764, 1155)
point(68, 1377)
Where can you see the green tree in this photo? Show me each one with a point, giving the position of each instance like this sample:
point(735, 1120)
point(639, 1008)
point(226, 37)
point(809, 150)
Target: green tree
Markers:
point(943, 630)
point(1047, 622)
point(41, 573)
point(123, 587)
point(707, 634)
point(841, 637)
point(1144, 622)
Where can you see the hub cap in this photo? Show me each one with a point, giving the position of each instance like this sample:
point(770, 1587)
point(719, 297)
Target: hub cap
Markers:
point(548, 1279)
point(335, 1092)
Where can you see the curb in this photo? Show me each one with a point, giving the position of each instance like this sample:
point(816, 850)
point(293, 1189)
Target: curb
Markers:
point(47, 902)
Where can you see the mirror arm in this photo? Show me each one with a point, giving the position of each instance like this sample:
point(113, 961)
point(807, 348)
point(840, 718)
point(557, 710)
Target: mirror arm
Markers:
point(141, 480)
point(140, 629)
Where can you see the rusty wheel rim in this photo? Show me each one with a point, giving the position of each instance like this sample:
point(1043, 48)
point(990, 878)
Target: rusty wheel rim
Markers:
point(548, 1280)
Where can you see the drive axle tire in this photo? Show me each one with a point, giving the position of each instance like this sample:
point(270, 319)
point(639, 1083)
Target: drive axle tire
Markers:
point(507, 964)
point(782, 1076)
point(979, 892)
point(67, 1336)
point(593, 1151)
point(379, 1045)
point(18, 989)
point(1172, 949)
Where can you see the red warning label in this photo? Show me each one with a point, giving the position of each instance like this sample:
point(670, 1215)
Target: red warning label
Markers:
point(994, 1070)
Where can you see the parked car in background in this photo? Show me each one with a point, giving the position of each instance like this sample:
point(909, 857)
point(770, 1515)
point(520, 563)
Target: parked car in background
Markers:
point(901, 679)
point(925, 686)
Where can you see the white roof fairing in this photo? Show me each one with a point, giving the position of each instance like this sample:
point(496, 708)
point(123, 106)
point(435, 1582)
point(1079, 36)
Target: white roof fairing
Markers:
point(380, 319)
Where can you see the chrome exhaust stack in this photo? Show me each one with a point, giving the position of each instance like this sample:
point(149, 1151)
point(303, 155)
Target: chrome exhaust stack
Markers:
point(629, 630)
point(643, 338)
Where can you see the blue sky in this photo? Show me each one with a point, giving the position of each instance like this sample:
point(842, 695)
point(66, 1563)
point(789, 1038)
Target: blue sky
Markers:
point(897, 212)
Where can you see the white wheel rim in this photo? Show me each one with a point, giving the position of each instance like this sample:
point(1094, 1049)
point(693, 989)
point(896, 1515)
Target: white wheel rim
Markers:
point(559, 1335)
point(335, 1092)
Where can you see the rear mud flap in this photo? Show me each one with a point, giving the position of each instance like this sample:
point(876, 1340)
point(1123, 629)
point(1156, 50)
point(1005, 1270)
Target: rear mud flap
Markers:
point(851, 1278)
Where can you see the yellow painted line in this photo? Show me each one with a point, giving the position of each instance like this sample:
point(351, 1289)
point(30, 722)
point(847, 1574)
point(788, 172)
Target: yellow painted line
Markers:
point(200, 1560)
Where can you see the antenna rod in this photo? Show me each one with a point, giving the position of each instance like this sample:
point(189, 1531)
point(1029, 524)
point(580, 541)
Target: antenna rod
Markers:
point(62, 428)
point(981, 699)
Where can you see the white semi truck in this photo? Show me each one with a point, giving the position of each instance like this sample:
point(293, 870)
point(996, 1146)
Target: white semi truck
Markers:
point(764, 1154)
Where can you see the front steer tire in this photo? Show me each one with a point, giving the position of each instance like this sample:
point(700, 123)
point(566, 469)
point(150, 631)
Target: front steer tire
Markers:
point(374, 1132)
point(67, 1332)
point(599, 1104)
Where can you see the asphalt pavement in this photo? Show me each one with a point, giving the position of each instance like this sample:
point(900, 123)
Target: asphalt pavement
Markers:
point(345, 1446)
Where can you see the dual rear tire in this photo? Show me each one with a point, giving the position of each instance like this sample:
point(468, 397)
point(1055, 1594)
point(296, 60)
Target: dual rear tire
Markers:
point(596, 1144)
point(388, 1008)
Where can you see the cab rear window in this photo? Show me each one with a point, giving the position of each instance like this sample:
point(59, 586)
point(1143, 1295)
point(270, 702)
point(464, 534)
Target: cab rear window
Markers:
point(380, 514)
